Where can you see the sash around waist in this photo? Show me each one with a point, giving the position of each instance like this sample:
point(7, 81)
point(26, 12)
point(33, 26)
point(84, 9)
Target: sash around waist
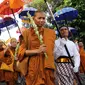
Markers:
point(63, 59)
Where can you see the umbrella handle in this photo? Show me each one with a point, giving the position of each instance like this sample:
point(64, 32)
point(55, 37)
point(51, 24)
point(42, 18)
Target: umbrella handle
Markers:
point(15, 19)
point(50, 11)
point(8, 32)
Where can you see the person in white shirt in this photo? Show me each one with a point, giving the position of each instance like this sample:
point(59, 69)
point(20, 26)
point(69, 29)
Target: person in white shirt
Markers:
point(64, 68)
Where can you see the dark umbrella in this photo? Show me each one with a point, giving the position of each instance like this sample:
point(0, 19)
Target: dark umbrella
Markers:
point(66, 14)
point(73, 30)
point(24, 17)
point(6, 22)
point(24, 12)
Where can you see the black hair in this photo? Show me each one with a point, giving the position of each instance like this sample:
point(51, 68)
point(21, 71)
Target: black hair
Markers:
point(63, 26)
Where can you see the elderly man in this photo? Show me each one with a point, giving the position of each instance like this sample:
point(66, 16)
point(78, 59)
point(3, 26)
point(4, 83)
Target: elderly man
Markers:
point(64, 68)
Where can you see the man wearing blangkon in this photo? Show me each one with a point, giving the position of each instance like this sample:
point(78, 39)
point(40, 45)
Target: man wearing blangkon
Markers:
point(64, 69)
point(40, 69)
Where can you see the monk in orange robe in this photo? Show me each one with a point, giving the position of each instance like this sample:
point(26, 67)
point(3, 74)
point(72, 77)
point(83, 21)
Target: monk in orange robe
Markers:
point(1, 56)
point(40, 68)
point(12, 47)
point(82, 56)
point(6, 56)
point(6, 76)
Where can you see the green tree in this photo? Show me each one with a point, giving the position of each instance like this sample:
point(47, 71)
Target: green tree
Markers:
point(41, 5)
point(80, 21)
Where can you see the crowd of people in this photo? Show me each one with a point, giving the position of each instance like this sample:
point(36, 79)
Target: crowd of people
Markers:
point(59, 67)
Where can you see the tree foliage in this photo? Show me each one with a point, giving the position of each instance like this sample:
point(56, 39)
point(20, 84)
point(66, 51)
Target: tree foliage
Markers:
point(80, 21)
point(41, 5)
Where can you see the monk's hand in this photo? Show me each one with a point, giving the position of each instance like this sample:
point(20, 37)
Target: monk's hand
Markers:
point(42, 48)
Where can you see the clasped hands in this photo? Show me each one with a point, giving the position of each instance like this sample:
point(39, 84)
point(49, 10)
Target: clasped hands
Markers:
point(42, 48)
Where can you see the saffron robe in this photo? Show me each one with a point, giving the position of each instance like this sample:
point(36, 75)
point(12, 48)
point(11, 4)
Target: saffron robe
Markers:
point(82, 57)
point(7, 75)
point(40, 69)
point(1, 71)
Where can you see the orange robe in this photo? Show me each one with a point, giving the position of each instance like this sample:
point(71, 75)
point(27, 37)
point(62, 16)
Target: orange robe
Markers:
point(82, 57)
point(6, 74)
point(1, 71)
point(15, 73)
point(40, 69)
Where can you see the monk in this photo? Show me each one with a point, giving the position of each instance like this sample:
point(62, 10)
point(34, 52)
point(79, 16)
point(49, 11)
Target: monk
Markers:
point(1, 56)
point(82, 56)
point(5, 57)
point(12, 47)
point(8, 57)
point(40, 68)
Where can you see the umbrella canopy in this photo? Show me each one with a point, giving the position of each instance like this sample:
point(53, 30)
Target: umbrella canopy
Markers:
point(5, 22)
point(67, 13)
point(19, 4)
point(5, 8)
point(24, 12)
point(73, 30)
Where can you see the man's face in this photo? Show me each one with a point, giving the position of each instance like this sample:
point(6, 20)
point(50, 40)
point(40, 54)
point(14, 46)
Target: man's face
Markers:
point(39, 19)
point(64, 32)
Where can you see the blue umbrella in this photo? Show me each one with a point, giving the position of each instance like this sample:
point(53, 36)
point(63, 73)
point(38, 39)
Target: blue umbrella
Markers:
point(67, 13)
point(73, 30)
point(6, 22)
point(24, 12)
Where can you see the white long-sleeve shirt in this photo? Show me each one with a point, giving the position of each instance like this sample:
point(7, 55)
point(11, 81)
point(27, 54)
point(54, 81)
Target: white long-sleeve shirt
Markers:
point(59, 50)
